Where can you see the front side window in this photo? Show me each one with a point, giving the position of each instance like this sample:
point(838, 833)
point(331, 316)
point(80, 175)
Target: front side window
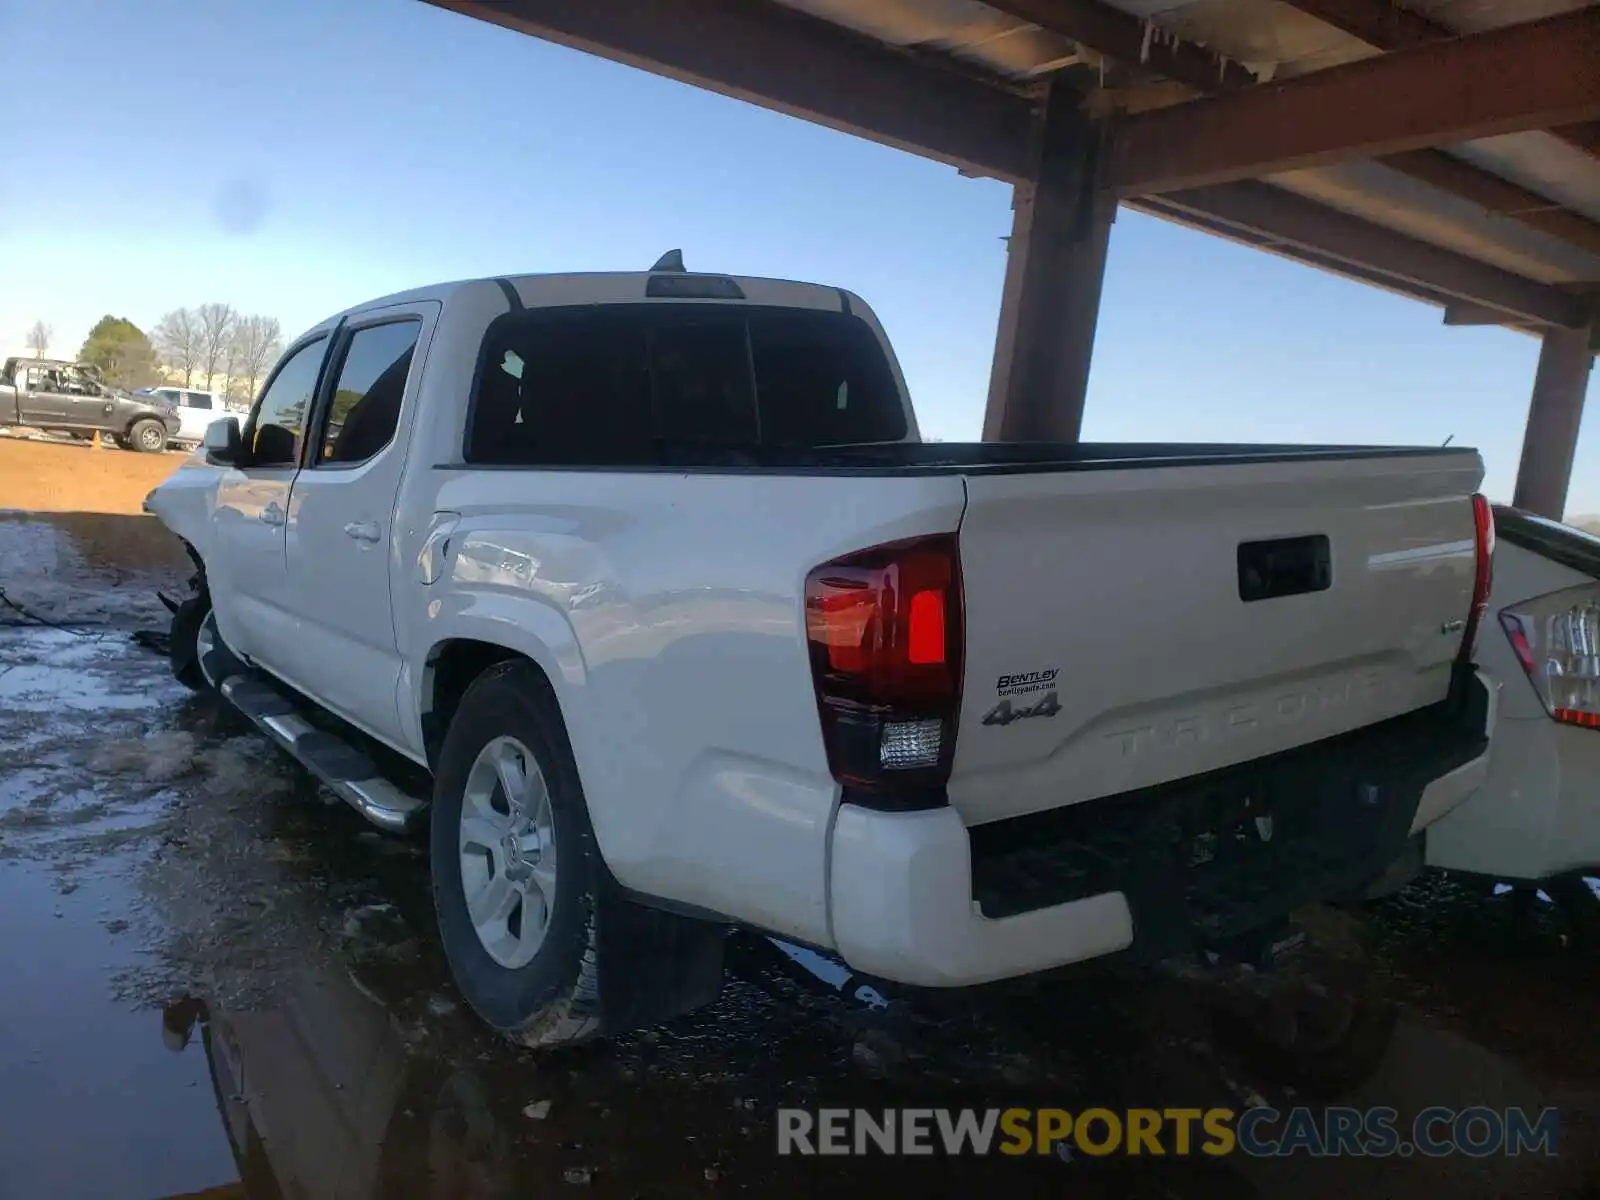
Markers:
point(365, 409)
point(80, 383)
point(279, 418)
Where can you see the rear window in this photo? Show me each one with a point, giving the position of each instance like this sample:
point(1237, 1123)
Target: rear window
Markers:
point(616, 384)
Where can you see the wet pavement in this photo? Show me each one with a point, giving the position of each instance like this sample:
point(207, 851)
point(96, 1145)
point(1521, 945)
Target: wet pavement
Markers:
point(220, 982)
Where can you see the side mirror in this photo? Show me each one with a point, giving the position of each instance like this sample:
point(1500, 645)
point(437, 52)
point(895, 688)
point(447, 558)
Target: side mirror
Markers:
point(222, 444)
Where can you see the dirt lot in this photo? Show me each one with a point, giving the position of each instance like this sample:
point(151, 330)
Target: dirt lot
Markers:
point(63, 476)
point(229, 985)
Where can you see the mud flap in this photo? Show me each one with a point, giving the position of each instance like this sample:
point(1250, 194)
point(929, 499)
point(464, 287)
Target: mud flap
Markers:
point(653, 965)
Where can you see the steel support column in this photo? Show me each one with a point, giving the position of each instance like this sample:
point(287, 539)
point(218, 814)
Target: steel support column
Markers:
point(1554, 414)
point(1056, 259)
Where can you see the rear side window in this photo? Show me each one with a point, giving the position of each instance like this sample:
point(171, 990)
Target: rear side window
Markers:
point(365, 409)
point(611, 385)
point(199, 400)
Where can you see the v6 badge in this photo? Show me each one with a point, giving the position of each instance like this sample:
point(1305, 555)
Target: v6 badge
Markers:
point(1005, 712)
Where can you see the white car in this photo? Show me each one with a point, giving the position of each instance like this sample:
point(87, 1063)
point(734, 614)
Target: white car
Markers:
point(196, 410)
point(649, 601)
point(1536, 819)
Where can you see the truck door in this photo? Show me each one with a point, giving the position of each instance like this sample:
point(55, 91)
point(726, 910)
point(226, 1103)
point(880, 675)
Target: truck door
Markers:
point(89, 403)
point(245, 570)
point(341, 544)
point(46, 402)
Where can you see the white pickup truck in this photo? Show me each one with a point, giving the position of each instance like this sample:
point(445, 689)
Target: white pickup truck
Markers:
point(642, 592)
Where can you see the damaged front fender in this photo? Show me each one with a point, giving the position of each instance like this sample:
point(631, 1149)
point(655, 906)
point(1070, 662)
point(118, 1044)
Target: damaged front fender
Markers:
point(184, 503)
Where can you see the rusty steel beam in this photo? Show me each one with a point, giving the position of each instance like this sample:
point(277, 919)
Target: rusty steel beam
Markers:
point(1384, 25)
point(1508, 80)
point(1498, 196)
point(780, 59)
point(1275, 219)
point(1055, 266)
point(783, 59)
point(1304, 255)
point(1462, 313)
point(1379, 23)
point(1555, 413)
point(1131, 40)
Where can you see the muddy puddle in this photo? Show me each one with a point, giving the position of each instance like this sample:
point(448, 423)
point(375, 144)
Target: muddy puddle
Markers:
point(218, 982)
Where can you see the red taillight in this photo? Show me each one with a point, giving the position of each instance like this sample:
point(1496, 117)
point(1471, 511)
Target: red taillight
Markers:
point(884, 627)
point(1483, 575)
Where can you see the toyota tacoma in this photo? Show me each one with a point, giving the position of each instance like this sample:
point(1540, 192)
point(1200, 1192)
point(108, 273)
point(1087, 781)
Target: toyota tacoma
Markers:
point(641, 594)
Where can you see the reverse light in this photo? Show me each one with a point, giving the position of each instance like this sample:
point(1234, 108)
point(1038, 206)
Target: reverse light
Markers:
point(1556, 639)
point(1482, 577)
point(885, 635)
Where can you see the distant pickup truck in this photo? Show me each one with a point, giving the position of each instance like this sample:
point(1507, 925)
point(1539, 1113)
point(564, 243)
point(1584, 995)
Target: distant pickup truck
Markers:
point(642, 589)
point(68, 397)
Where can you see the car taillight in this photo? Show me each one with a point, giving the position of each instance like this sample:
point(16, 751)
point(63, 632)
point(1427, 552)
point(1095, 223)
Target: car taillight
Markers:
point(884, 627)
point(1556, 638)
point(1482, 578)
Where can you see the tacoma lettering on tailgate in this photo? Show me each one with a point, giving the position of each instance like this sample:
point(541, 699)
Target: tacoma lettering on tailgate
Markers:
point(1283, 708)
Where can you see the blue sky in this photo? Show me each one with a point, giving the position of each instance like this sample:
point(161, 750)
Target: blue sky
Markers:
point(296, 157)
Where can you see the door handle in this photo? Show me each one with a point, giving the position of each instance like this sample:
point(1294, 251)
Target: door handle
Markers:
point(272, 514)
point(363, 531)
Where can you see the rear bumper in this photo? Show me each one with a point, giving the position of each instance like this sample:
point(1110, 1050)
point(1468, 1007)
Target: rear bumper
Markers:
point(918, 898)
point(900, 895)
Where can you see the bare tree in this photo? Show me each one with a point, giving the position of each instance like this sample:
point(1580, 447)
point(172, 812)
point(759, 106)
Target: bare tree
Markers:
point(178, 342)
point(39, 338)
point(231, 360)
point(216, 327)
point(257, 341)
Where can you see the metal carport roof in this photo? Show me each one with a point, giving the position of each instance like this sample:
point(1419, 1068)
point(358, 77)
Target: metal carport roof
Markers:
point(1448, 150)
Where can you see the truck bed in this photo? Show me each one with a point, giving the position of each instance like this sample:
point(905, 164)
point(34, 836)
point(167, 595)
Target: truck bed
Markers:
point(1120, 579)
point(974, 458)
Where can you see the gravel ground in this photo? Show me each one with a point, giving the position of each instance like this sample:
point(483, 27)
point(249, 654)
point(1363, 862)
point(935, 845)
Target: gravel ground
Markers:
point(221, 979)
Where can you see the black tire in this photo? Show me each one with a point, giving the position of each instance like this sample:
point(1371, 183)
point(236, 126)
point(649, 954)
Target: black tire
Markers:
point(183, 645)
point(183, 648)
point(554, 999)
point(147, 436)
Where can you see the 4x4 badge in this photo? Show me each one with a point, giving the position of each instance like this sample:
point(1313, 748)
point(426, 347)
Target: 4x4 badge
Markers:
point(1005, 712)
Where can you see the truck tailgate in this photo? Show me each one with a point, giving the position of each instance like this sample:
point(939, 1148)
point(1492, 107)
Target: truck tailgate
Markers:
point(1134, 625)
